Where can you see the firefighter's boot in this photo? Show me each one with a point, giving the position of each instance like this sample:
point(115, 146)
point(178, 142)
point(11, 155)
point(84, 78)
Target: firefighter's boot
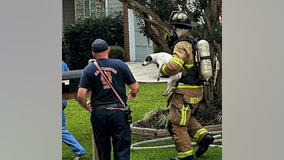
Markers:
point(186, 158)
point(204, 144)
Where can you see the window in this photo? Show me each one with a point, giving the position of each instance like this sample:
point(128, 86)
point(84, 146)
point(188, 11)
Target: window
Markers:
point(94, 8)
point(89, 8)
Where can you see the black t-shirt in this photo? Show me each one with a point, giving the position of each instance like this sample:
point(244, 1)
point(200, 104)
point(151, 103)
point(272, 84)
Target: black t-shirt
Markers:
point(118, 74)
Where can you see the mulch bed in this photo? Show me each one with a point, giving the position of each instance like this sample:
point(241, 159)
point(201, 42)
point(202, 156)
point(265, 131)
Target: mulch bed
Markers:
point(152, 122)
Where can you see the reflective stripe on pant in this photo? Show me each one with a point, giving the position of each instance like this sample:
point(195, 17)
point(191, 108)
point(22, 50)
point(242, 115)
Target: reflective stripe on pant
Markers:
point(183, 115)
point(109, 124)
point(185, 154)
point(198, 135)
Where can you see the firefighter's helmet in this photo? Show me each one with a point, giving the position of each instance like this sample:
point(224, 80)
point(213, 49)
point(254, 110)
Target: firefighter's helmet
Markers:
point(181, 20)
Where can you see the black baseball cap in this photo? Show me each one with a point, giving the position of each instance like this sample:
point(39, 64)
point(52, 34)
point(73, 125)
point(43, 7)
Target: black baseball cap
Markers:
point(99, 45)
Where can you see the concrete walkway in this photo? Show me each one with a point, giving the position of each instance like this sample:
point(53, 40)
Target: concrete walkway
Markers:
point(145, 73)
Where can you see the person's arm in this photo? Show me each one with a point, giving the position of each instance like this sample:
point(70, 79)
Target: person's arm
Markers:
point(134, 89)
point(81, 98)
point(176, 63)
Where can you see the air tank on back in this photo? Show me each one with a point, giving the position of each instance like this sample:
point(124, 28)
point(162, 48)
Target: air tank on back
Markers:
point(205, 61)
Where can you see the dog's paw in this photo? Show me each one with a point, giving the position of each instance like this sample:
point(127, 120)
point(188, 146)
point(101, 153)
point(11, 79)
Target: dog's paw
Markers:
point(165, 94)
point(158, 79)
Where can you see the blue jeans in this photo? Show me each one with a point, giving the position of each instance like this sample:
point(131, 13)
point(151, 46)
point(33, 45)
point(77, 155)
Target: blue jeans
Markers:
point(68, 138)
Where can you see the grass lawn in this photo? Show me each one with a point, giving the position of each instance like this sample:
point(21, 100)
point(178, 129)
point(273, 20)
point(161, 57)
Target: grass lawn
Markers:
point(150, 96)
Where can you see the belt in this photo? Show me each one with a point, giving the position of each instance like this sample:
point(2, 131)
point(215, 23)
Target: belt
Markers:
point(115, 106)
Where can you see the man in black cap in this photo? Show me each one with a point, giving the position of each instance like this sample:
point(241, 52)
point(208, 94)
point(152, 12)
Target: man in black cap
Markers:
point(107, 118)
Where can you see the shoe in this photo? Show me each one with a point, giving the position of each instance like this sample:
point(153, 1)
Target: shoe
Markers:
point(204, 144)
point(77, 158)
point(186, 158)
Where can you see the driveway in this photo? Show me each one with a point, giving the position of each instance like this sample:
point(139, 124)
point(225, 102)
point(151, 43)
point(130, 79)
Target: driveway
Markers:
point(145, 73)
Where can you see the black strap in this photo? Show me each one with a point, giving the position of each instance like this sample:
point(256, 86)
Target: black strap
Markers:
point(205, 57)
point(193, 69)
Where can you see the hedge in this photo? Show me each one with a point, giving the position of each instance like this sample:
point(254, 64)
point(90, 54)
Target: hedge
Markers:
point(78, 37)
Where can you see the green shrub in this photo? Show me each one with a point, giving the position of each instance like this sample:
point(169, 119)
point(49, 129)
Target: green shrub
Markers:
point(78, 38)
point(206, 111)
point(64, 52)
point(164, 120)
point(157, 49)
point(157, 110)
point(116, 52)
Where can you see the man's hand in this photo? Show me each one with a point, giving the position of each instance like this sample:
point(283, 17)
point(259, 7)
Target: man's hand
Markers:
point(89, 107)
point(132, 95)
point(81, 98)
point(134, 89)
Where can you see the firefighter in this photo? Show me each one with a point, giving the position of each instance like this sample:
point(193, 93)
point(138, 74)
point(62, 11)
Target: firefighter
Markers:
point(186, 94)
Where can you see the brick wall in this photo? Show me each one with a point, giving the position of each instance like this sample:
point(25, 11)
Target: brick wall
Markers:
point(126, 33)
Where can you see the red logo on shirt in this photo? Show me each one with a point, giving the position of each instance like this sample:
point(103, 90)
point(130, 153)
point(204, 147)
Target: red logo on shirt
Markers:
point(108, 74)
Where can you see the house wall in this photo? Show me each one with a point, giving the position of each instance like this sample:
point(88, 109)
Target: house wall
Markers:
point(79, 12)
point(135, 49)
point(68, 12)
point(113, 5)
point(136, 45)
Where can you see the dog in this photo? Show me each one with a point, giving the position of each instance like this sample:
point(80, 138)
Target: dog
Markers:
point(171, 82)
point(160, 59)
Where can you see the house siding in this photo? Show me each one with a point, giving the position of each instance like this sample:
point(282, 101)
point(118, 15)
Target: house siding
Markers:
point(68, 8)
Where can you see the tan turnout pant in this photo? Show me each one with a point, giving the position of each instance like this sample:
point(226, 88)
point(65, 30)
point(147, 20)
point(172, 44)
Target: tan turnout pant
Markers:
point(184, 126)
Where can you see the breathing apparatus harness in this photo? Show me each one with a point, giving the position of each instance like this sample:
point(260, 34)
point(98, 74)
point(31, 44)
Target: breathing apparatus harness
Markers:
point(200, 72)
point(193, 75)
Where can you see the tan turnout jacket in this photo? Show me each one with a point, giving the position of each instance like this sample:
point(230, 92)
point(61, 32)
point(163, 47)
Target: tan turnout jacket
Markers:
point(183, 58)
